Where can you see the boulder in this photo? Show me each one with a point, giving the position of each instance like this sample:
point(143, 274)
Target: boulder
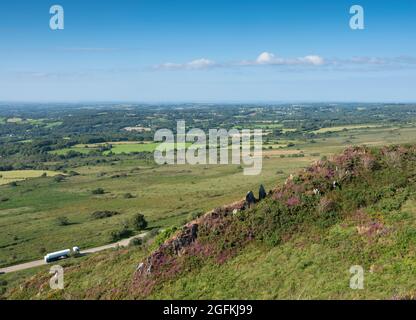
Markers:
point(262, 193)
point(250, 199)
point(185, 238)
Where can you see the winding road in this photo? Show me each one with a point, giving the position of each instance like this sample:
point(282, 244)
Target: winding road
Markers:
point(37, 263)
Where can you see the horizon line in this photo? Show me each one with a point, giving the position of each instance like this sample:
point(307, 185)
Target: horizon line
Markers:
point(153, 102)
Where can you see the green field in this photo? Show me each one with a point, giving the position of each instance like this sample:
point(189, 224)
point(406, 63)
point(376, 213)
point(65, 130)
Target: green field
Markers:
point(53, 124)
point(167, 196)
point(20, 175)
point(116, 147)
point(313, 261)
point(28, 218)
point(347, 127)
point(14, 120)
point(49, 124)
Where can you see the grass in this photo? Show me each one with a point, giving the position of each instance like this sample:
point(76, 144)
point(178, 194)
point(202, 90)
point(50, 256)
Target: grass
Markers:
point(28, 218)
point(114, 265)
point(14, 120)
point(312, 263)
point(20, 175)
point(49, 124)
point(346, 127)
point(32, 209)
point(119, 148)
point(116, 147)
point(77, 148)
point(166, 195)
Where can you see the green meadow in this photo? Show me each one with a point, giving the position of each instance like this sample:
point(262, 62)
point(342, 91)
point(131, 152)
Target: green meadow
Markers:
point(166, 195)
point(346, 127)
point(21, 175)
point(35, 122)
point(115, 147)
point(312, 262)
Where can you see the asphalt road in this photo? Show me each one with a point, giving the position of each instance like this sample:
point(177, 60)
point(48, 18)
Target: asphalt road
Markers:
point(37, 263)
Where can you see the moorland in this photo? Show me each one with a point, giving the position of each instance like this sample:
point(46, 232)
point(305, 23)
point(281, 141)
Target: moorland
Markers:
point(61, 164)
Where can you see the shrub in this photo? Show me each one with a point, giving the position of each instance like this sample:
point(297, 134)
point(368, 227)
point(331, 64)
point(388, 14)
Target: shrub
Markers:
point(104, 214)
point(139, 222)
point(194, 215)
point(123, 232)
point(326, 205)
point(59, 178)
point(98, 191)
point(128, 196)
point(62, 221)
point(165, 235)
point(293, 201)
point(136, 242)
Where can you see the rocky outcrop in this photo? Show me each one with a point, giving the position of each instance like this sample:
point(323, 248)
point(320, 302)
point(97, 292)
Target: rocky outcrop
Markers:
point(178, 244)
point(164, 261)
point(188, 236)
point(174, 246)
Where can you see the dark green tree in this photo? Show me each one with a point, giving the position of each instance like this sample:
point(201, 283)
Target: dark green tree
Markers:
point(139, 222)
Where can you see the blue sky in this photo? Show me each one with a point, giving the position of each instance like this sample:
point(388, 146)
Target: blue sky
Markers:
point(208, 51)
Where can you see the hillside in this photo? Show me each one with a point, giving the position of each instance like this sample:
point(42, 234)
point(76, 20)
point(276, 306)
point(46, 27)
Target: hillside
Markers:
point(299, 242)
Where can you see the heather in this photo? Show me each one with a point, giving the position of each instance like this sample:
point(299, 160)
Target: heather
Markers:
point(361, 184)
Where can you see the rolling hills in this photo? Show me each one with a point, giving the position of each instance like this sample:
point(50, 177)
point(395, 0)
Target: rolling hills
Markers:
point(355, 209)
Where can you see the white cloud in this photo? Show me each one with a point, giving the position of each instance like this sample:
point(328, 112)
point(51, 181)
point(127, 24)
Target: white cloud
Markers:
point(312, 61)
point(267, 58)
point(315, 60)
point(201, 63)
point(191, 65)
